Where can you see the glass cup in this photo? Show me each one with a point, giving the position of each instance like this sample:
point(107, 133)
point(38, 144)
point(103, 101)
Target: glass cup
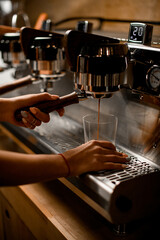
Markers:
point(103, 127)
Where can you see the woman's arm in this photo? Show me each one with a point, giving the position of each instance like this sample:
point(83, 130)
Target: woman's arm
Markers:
point(18, 168)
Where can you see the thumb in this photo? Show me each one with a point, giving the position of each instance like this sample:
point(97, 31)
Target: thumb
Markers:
point(31, 99)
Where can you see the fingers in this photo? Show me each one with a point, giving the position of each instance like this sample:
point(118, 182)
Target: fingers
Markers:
point(104, 148)
point(36, 117)
point(116, 166)
point(110, 164)
point(41, 116)
point(115, 158)
point(30, 121)
point(107, 144)
point(31, 99)
point(104, 144)
point(106, 157)
point(28, 124)
point(110, 159)
point(108, 151)
point(60, 112)
point(41, 97)
point(116, 161)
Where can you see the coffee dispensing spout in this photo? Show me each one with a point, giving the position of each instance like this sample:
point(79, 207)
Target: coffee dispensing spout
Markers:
point(11, 50)
point(12, 54)
point(41, 52)
point(98, 63)
point(44, 53)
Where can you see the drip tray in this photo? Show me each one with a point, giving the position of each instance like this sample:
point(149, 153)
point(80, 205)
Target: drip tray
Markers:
point(127, 194)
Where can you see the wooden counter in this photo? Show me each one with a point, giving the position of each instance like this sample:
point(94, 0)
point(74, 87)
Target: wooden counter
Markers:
point(51, 211)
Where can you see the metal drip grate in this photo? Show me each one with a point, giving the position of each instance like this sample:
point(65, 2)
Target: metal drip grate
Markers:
point(135, 167)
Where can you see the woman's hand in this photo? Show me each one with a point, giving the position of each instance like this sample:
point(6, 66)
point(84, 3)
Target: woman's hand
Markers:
point(94, 156)
point(20, 168)
point(28, 120)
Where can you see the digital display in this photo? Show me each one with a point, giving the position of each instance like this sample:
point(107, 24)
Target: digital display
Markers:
point(137, 33)
point(140, 33)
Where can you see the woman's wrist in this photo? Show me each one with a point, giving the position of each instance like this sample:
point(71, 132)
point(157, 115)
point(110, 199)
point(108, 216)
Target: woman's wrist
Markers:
point(5, 108)
point(67, 164)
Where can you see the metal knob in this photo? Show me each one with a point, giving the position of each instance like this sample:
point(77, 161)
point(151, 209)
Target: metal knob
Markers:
point(84, 26)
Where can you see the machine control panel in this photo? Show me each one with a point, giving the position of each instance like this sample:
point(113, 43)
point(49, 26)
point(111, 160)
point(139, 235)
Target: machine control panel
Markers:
point(144, 66)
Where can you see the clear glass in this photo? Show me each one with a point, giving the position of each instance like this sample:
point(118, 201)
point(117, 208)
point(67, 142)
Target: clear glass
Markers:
point(106, 129)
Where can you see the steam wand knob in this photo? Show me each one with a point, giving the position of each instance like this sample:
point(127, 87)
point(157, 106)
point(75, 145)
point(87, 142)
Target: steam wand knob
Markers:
point(84, 26)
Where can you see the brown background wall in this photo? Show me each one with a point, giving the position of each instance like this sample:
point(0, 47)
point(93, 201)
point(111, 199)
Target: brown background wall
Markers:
point(115, 9)
point(58, 9)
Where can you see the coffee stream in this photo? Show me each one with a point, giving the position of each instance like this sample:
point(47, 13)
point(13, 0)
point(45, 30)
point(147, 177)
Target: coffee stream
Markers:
point(99, 103)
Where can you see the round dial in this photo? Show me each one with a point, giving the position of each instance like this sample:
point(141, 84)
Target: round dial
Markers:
point(153, 78)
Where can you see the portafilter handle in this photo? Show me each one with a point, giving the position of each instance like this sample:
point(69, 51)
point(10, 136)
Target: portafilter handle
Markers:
point(16, 84)
point(7, 29)
point(51, 105)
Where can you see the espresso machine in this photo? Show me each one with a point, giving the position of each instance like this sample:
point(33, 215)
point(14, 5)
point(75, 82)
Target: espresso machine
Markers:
point(102, 67)
point(125, 75)
point(88, 61)
point(45, 53)
point(30, 55)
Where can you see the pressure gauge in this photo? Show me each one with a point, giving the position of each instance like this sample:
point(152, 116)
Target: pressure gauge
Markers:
point(140, 33)
point(153, 78)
